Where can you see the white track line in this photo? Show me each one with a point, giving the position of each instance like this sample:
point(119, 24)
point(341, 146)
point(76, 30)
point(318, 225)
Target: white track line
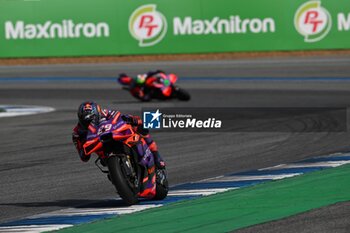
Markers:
point(12, 111)
point(307, 165)
point(254, 177)
point(201, 192)
point(33, 228)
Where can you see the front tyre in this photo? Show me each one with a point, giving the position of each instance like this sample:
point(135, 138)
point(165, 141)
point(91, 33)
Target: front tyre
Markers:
point(122, 183)
point(181, 94)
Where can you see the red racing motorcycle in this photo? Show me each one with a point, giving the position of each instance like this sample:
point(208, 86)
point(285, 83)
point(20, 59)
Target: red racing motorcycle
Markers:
point(160, 86)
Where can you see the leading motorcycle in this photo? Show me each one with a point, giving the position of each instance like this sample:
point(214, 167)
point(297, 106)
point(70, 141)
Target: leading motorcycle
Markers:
point(129, 160)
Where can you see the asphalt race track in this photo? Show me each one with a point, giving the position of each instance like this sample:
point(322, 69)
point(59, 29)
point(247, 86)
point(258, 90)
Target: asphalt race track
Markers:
point(40, 170)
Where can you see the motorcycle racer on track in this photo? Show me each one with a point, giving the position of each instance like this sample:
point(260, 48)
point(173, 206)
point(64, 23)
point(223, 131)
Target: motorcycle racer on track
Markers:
point(91, 113)
point(141, 85)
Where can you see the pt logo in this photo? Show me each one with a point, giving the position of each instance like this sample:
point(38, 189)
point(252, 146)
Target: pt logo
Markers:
point(312, 21)
point(151, 120)
point(147, 25)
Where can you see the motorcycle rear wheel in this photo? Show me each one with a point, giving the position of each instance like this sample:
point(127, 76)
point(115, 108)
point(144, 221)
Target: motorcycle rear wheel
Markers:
point(120, 180)
point(161, 188)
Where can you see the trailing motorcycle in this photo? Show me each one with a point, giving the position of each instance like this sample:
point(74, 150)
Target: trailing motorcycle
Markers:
point(161, 87)
point(129, 161)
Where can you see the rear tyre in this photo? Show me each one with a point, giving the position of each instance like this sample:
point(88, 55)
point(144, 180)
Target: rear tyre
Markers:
point(120, 180)
point(162, 186)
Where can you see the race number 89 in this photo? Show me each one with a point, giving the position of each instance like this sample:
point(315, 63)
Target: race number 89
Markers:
point(104, 128)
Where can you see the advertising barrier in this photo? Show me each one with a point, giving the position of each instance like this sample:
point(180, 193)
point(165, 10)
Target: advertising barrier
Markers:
point(47, 28)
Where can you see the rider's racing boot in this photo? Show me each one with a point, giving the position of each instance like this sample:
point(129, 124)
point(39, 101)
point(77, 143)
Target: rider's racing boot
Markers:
point(158, 160)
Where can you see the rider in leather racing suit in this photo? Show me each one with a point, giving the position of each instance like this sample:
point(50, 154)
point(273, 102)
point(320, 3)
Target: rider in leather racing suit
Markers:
point(142, 84)
point(91, 113)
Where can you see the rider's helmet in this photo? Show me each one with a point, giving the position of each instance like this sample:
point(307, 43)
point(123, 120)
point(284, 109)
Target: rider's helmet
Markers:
point(141, 79)
point(89, 112)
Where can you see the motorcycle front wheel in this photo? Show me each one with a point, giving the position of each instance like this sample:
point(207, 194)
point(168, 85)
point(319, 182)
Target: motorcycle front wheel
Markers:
point(121, 180)
point(181, 94)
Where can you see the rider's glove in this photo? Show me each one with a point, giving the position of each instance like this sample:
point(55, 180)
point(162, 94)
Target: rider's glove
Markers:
point(83, 156)
point(75, 138)
point(131, 120)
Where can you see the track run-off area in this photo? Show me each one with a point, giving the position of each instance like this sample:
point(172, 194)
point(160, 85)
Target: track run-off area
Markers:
point(41, 172)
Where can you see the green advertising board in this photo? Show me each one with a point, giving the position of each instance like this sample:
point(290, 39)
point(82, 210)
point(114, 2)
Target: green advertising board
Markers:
point(44, 28)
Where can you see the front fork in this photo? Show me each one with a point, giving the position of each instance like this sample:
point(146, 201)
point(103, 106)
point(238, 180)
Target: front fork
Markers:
point(129, 169)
